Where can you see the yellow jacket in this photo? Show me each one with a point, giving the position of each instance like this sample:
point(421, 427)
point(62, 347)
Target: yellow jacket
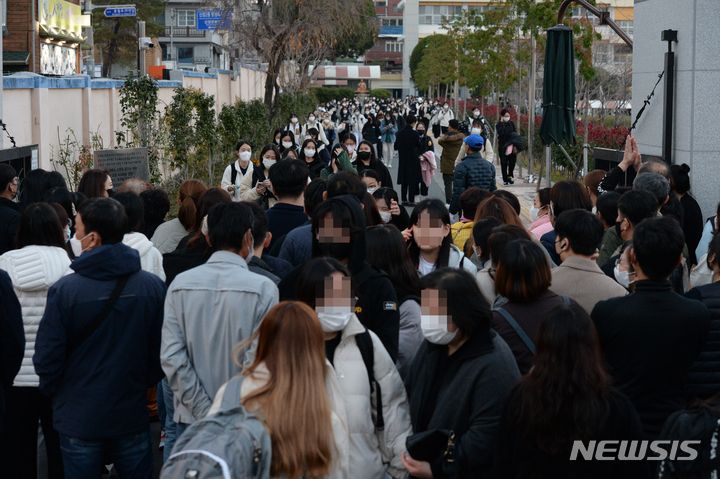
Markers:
point(461, 232)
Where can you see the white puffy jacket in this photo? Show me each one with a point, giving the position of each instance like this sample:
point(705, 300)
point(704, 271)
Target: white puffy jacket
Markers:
point(33, 269)
point(150, 258)
point(371, 449)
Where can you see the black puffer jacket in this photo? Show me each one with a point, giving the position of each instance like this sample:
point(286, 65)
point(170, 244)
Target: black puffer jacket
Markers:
point(704, 375)
point(473, 171)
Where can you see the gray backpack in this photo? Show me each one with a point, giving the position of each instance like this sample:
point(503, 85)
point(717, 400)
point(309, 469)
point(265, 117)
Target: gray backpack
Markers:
point(232, 444)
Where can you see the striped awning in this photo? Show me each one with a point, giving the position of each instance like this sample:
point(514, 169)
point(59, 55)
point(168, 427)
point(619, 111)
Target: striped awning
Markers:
point(350, 72)
point(331, 82)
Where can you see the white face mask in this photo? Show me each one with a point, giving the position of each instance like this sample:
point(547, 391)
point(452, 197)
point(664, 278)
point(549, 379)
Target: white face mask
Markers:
point(311, 119)
point(334, 318)
point(287, 144)
point(251, 251)
point(277, 141)
point(67, 233)
point(594, 210)
point(446, 107)
point(475, 131)
point(622, 277)
point(204, 226)
point(386, 216)
point(245, 155)
point(293, 121)
point(434, 329)
point(326, 120)
point(350, 149)
point(76, 245)
point(506, 118)
point(268, 163)
point(309, 153)
point(476, 114)
point(534, 213)
point(372, 190)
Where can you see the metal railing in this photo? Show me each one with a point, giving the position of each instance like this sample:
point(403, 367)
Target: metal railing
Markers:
point(184, 32)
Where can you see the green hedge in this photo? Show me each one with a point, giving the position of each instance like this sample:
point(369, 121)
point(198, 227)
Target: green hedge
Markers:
point(324, 94)
point(380, 93)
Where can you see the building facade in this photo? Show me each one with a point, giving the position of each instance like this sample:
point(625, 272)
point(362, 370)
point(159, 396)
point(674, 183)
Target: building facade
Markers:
point(388, 51)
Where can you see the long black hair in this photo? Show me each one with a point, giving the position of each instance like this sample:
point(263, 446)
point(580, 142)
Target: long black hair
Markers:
point(386, 250)
point(40, 225)
point(436, 209)
point(565, 396)
point(311, 282)
point(373, 158)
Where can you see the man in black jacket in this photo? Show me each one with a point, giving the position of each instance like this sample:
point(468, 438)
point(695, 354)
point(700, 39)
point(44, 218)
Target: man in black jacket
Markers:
point(12, 337)
point(407, 143)
point(9, 212)
point(651, 337)
point(474, 171)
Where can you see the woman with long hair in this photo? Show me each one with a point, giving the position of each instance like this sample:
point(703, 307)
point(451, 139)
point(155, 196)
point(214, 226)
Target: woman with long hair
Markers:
point(391, 212)
point(367, 160)
point(310, 154)
point(95, 184)
point(293, 389)
point(169, 234)
point(523, 277)
point(256, 187)
point(566, 397)
point(386, 251)
point(458, 382)
point(39, 262)
point(377, 415)
point(496, 207)
point(234, 173)
point(540, 214)
point(430, 245)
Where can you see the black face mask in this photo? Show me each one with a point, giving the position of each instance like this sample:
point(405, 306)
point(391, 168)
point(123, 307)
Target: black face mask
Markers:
point(338, 251)
point(111, 193)
point(364, 155)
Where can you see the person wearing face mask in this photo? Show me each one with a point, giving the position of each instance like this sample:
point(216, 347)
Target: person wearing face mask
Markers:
point(578, 233)
point(473, 171)
point(256, 187)
point(311, 156)
point(366, 160)
point(388, 129)
point(371, 132)
point(459, 380)
point(478, 127)
point(442, 119)
point(234, 173)
point(624, 272)
point(109, 304)
point(9, 210)
point(451, 143)
point(328, 128)
point(357, 123)
point(41, 260)
point(407, 144)
point(314, 122)
point(340, 159)
point(430, 246)
point(427, 157)
point(287, 142)
point(295, 128)
point(376, 405)
point(277, 137)
point(540, 214)
point(197, 355)
point(504, 129)
point(371, 180)
point(391, 212)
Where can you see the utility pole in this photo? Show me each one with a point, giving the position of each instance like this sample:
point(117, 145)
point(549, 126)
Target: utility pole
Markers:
point(141, 50)
point(172, 28)
point(531, 105)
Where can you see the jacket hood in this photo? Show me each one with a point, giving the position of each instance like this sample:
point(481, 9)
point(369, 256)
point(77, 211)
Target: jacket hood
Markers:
point(455, 256)
point(36, 268)
point(358, 245)
point(138, 242)
point(453, 134)
point(107, 262)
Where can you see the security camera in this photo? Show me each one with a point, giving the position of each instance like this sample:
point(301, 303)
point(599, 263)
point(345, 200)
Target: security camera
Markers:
point(145, 43)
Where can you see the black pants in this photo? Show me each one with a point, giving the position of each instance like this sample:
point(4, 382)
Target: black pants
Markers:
point(423, 189)
point(507, 166)
point(448, 180)
point(413, 191)
point(444, 129)
point(18, 440)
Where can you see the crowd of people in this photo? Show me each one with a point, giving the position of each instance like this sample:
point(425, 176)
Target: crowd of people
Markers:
point(450, 341)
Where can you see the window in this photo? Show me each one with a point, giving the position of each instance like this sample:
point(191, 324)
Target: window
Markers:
point(433, 14)
point(186, 18)
point(626, 26)
point(381, 4)
point(185, 55)
point(603, 53)
point(394, 47)
point(391, 22)
point(623, 54)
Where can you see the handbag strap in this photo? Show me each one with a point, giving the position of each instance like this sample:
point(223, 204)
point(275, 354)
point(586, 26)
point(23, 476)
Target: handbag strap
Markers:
point(518, 329)
point(88, 331)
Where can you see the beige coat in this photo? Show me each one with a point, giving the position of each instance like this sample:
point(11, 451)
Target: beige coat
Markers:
point(582, 280)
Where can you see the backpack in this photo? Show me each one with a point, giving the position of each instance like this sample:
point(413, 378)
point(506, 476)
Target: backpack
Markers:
point(232, 444)
point(233, 174)
point(519, 330)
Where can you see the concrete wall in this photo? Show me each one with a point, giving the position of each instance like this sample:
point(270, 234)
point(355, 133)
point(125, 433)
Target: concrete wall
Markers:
point(36, 108)
point(696, 136)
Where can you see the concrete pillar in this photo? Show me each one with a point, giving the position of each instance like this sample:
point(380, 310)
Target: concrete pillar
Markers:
point(411, 32)
point(696, 137)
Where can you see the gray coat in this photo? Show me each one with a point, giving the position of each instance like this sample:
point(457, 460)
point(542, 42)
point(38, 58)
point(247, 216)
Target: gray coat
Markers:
point(209, 310)
point(470, 401)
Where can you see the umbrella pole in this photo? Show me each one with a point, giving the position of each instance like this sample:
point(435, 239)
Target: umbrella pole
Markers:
point(547, 166)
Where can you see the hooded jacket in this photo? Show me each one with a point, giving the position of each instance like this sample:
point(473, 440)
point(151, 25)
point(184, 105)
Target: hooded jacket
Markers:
point(33, 269)
point(150, 258)
point(168, 235)
point(472, 172)
point(451, 143)
point(107, 376)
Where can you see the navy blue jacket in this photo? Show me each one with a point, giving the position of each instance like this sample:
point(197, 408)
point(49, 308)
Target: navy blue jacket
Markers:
point(100, 390)
point(283, 218)
point(474, 171)
point(12, 337)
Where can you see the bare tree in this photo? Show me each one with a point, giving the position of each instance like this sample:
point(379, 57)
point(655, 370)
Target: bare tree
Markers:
point(288, 36)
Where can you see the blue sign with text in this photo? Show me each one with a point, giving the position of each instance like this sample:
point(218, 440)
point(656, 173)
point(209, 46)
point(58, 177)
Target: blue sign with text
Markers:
point(213, 19)
point(120, 12)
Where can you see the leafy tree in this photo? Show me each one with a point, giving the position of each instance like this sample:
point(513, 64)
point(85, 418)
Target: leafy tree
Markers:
point(117, 37)
point(245, 120)
point(380, 93)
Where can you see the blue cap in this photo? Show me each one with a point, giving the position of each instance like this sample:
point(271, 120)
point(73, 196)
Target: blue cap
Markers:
point(474, 141)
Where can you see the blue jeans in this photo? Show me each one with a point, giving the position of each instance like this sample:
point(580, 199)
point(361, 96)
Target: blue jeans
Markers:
point(170, 426)
point(130, 455)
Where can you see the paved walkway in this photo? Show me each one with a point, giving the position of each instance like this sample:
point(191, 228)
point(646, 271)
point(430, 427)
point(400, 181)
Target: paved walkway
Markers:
point(524, 191)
